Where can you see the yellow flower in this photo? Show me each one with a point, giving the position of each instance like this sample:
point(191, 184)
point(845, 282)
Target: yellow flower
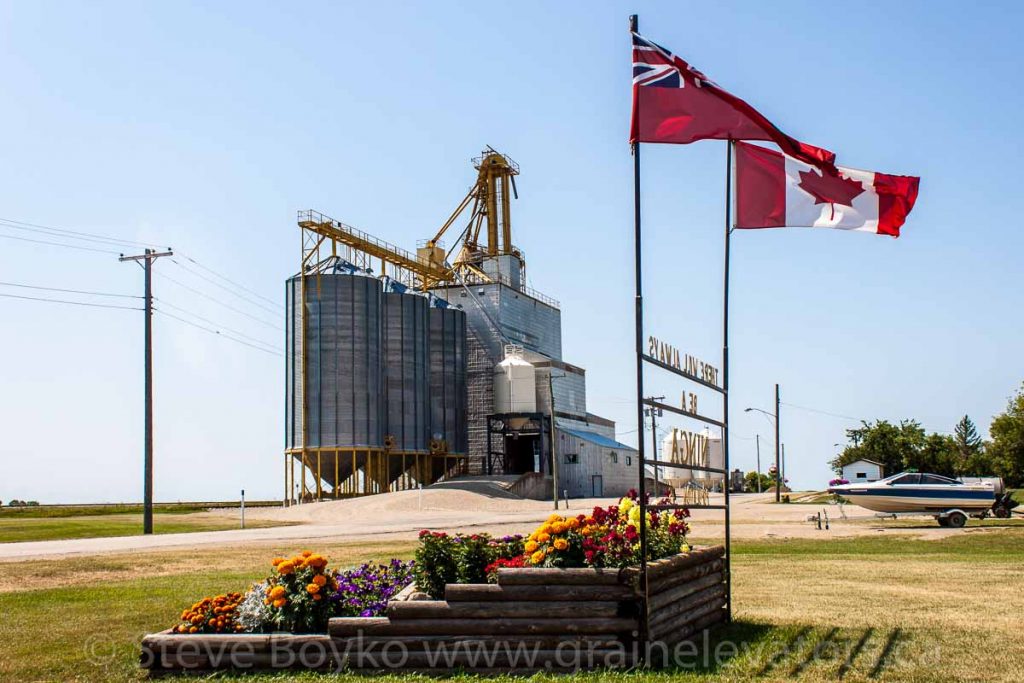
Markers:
point(320, 579)
point(685, 547)
point(555, 517)
point(306, 553)
point(530, 546)
point(286, 567)
point(276, 561)
point(625, 504)
point(277, 592)
point(558, 528)
point(572, 523)
point(544, 537)
point(312, 589)
point(544, 529)
point(280, 603)
point(537, 557)
point(561, 544)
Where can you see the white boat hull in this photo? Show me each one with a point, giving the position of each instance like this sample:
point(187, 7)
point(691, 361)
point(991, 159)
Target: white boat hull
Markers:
point(917, 498)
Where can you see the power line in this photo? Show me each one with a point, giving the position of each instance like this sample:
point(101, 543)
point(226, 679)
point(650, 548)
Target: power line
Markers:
point(70, 291)
point(72, 303)
point(228, 280)
point(64, 232)
point(60, 244)
point(219, 302)
point(822, 412)
point(243, 297)
point(219, 325)
point(218, 333)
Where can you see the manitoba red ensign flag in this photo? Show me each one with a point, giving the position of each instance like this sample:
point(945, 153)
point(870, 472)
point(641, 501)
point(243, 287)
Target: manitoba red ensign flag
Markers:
point(675, 103)
point(774, 190)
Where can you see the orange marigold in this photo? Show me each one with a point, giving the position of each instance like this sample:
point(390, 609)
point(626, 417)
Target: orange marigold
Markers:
point(561, 544)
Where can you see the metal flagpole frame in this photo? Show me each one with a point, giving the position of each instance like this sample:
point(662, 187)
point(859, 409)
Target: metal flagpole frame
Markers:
point(725, 377)
point(639, 315)
point(684, 373)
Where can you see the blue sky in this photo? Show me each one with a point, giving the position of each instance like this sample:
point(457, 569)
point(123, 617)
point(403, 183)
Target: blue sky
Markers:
point(206, 126)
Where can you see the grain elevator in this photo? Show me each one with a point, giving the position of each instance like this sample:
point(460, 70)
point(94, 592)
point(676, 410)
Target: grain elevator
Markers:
point(406, 368)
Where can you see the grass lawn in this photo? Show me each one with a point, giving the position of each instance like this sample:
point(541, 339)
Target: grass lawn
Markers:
point(19, 528)
point(93, 509)
point(866, 609)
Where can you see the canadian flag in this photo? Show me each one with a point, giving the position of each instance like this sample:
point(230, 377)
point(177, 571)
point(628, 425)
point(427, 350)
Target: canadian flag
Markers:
point(774, 190)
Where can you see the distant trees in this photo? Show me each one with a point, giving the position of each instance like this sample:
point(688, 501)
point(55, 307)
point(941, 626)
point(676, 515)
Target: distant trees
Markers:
point(750, 481)
point(1006, 449)
point(970, 449)
point(894, 446)
point(908, 446)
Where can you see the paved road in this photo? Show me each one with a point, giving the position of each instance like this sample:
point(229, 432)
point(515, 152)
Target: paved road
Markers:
point(402, 515)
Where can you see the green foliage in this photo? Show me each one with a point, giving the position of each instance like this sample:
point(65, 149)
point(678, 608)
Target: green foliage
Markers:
point(937, 455)
point(471, 563)
point(894, 446)
point(750, 481)
point(1006, 449)
point(970, 449)
point(298, 592)
point(442, 558)
point(907, 446)
point(435, 564)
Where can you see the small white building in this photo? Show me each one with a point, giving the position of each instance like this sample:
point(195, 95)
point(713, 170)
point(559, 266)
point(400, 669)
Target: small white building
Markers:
point(593, 465)
point(863, 471)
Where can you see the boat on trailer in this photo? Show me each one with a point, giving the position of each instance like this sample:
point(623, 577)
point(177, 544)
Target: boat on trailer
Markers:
point(948, 500)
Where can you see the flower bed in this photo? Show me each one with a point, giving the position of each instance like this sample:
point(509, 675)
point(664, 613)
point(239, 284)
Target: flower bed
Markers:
point(572, 584)
point(299, 596)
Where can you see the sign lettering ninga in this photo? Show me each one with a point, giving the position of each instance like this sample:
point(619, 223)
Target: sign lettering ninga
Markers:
point(690, 365)
point(689, 448)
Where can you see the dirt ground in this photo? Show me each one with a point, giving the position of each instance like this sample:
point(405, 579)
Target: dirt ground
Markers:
point(479, 507)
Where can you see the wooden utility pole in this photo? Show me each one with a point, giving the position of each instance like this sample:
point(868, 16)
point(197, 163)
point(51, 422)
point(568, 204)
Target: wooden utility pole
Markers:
point(778, 465)
point(758, 462)
point(654, 413)
point(146, 260)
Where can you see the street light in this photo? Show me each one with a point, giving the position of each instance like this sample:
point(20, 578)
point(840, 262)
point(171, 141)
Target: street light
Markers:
point(775, 417)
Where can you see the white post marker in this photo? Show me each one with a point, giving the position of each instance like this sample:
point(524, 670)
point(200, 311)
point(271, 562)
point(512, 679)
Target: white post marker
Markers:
point(243, 508)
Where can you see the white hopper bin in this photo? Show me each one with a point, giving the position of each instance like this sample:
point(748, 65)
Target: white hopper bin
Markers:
point(515, 384)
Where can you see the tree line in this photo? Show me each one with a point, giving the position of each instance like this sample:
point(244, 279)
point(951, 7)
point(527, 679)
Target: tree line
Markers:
point(906, 445)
